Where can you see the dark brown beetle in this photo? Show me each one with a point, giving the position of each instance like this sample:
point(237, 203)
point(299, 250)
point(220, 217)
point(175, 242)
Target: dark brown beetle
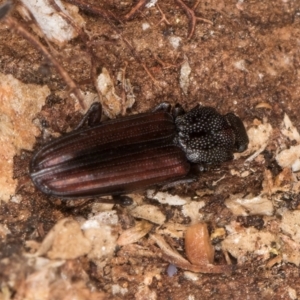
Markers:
point(135, 152)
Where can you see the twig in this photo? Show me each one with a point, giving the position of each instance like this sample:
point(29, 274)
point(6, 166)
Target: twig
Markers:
point(94, 10)
point(123, 97)
point(34, 22)
point(163, 19)
point(135, 9)
point(137, 57)
point(167, 65)
point(14, 25)
point(192, 17)
point(85, 39)
point(149, 73)
point(109, 18)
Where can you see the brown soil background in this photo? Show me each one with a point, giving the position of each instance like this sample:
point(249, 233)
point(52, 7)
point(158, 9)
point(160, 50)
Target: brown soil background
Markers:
point(263, 36)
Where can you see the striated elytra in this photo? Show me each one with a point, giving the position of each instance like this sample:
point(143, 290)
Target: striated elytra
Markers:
point(135, 152)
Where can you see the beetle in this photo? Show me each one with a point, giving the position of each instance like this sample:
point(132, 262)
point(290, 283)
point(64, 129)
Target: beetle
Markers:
point(135, 152)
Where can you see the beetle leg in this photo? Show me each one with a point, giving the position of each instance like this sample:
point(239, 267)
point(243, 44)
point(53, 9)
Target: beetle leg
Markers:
point(116, 199)
point(122, 200)
point(92, 116)
point(177, 182)
point(119, 199)
point(178, 110)
point(200, 168)
point(164, 106)
point(241, 137)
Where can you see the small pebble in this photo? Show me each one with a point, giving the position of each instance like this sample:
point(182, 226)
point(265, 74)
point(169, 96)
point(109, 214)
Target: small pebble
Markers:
point(171, 270)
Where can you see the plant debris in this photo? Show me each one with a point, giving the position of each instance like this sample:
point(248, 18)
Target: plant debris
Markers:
point(221, 235)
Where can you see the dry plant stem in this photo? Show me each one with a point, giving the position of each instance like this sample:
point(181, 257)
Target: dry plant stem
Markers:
point(92, 9)
point(135, 55)
point(149, 73)
point(173, 257)
point(109, 18)
point(135, 9)
point(166, 65)
point(84, 37)
point(191, 15)
point(163, 19)
point(34, 22)
point(14, 25)
point(123, 91)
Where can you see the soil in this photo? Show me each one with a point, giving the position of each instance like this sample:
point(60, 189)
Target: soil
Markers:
point(244, 58)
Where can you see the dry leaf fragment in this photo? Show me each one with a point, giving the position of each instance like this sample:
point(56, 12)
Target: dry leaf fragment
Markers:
point(289, 130)
point(103, 239)
point(263, 105)
point(111, 103)
point(198, 247)
point(289, 158)
point(191, 210)
point(173, 257)
point(64, 241)
point(166, 198)
point(144, 292)
point(250, 240)
point(259, 137)
point(69, 241)
point(135, 233)
point(149, 212)
point(290, 224)
point(250, 205)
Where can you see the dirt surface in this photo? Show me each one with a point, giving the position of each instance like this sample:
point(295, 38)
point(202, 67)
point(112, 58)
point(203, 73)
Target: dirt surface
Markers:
point(244, 58)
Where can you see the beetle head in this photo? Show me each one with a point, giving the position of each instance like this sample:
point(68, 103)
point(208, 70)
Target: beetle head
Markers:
point(208, 137)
